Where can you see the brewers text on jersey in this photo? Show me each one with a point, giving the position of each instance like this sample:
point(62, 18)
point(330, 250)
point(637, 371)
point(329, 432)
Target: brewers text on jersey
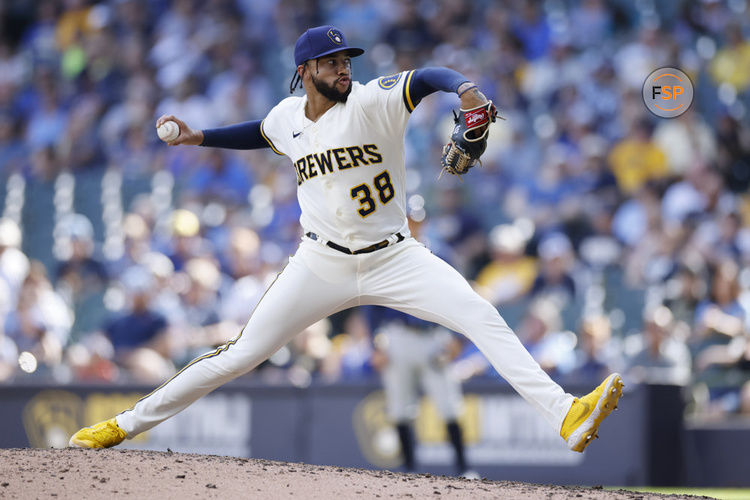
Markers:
point(309, 165)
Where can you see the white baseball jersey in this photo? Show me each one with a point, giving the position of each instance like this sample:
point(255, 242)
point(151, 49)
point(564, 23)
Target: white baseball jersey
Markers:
point(349, 163)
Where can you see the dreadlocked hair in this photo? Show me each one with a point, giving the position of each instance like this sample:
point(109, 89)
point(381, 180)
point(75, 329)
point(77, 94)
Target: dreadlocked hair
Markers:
point(296, 79)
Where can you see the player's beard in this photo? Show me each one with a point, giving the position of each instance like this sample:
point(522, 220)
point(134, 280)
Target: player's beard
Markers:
point(330, 92)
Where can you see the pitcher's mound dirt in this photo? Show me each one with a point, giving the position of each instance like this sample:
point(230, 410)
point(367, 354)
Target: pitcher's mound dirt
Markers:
point(74, 473)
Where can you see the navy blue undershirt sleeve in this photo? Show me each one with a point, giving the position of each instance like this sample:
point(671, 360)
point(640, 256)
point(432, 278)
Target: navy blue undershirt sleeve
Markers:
point(245, 135)
point(425, 81)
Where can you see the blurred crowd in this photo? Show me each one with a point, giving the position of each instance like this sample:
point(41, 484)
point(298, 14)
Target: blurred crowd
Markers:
point(608, 238)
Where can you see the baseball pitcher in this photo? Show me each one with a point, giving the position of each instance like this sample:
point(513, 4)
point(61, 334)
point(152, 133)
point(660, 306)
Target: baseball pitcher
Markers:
point(345, 141)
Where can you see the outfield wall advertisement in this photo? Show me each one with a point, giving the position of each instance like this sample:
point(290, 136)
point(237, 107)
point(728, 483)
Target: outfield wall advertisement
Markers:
point(346, 425)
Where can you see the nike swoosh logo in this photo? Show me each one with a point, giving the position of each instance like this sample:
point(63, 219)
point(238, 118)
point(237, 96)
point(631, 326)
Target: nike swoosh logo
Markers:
point(584, 414)
point(294, 135)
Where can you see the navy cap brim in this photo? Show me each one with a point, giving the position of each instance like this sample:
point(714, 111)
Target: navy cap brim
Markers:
point(353, 52)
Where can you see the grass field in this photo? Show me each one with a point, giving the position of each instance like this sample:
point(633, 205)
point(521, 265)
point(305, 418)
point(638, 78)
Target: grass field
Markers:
point(720, 493)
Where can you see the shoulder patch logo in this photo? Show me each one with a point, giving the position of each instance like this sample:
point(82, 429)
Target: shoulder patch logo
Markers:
point(388, 82)
point(335, 36)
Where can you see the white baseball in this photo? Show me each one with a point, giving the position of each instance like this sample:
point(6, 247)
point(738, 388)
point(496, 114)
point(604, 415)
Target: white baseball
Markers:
point(168, 131)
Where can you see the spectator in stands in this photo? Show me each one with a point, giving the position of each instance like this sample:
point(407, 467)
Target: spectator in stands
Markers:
point(733, 157)
point(8, 356)
point(541, 333)
point(708, 17)
point(410, 31)
point(660, 357)
point(553, 194)
point(219, 178)
point(138, 334)
point(685, 142)
point(198, 326)
point(721, 316)
point(698, 192)
point(510, 274)
point(637, 159)
point(124, 127)
point(598, 248)
point(597, 178)
point(593, 22)
point(186, 241)
point(47, 123)
point(655, 257)
point(11, 66)
point(735, 354)
point(720, 237)
point(80, 146)
point(200, 294)
point(470, 363)
point(242, 263)
point(644, 50)
point(352, 350)
point(310, 351)
point(189, 102)
point(638, 215)
point(532, 29)
point(731, 65)
point(137, 243)
point(91, 360)
point(40, 323)
point(555, 280)
point(14, 265)
point(457, 231)
point(596, 353)
point(165, 299)
point(686, 288)
point(724, 370)
point(81, 277)
point(44, 164)
point(13, 151)
point(73, 22)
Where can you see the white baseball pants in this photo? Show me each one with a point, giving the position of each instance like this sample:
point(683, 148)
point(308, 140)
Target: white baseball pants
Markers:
point(319, 281)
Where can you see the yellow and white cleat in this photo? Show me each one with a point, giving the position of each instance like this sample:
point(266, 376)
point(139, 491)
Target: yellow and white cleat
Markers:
point(587, 413)
point(102, 435)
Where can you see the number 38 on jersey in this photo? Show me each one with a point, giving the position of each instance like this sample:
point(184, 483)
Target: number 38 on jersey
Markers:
point(363, 193)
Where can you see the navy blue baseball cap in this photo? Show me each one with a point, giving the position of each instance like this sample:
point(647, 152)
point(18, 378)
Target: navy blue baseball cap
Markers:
point(321, 41)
